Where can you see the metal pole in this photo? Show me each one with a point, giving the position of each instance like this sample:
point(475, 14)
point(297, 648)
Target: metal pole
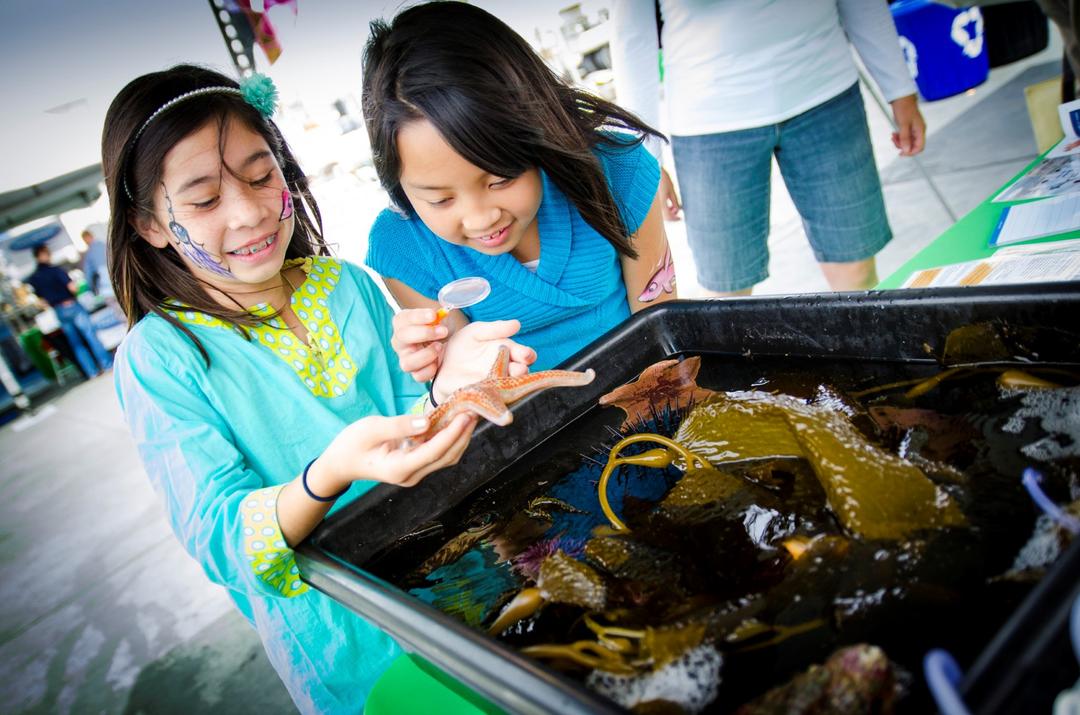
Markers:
point(239, 43)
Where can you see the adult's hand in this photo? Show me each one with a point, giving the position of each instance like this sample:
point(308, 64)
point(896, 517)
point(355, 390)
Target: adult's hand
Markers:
point(910, 134)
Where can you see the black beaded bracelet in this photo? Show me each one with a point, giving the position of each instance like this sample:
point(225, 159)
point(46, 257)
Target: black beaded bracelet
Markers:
point(313, 495)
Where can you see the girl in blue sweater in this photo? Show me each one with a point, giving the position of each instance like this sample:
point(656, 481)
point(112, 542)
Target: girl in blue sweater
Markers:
point(498, 168)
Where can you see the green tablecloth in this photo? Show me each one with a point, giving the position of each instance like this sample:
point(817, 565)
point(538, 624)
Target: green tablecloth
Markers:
point(411, 686)
point(31, 342)
point(967, 240)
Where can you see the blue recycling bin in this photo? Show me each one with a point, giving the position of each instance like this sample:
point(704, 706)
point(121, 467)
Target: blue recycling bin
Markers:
point(944, 48)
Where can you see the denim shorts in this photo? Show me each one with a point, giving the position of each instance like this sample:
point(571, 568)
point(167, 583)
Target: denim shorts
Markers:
point(828, 167)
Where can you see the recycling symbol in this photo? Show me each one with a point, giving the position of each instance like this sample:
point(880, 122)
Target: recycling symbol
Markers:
point(972, 43)
point(911, 56)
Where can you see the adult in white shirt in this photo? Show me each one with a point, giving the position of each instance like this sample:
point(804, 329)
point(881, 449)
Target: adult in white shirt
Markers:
point(747, 80)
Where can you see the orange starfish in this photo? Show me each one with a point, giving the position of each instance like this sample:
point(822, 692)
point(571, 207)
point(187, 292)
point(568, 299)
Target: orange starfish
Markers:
point(662, 384)
point(490, 397)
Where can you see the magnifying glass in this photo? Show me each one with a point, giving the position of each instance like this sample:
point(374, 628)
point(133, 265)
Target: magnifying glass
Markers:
point(461, 294)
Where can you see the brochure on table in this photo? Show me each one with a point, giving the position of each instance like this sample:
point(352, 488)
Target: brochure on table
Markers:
point(1039, 263)
point(1037, 219)
point(1069, 113)
point(1059, 171)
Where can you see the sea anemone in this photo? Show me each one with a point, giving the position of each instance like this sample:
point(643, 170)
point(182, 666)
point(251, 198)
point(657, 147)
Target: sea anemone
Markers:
point(527, 563)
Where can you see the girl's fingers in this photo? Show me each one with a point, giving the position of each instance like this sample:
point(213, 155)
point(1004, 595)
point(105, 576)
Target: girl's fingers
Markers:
point(521, 357)
point(413, 316)
point(492, 330)
point(443, 449)
point(426, 374)
point(411, 327)
point(378, 431)
point(452, 454)
point(418, 334)
point(418, 359)
point(521, 353)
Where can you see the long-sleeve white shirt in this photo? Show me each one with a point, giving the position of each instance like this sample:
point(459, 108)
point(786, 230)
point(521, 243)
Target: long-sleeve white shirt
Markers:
point(737, 64)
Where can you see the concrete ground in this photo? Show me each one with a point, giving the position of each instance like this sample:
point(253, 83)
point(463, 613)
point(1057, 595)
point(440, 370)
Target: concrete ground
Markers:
point(102, 610)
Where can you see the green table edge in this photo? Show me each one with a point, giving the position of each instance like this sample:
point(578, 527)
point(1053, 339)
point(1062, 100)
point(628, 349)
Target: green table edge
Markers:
point(969, 238)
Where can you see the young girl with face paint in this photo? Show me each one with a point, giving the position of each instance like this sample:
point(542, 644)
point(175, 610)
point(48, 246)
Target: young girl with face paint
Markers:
point(500, 169)
point(257, 377)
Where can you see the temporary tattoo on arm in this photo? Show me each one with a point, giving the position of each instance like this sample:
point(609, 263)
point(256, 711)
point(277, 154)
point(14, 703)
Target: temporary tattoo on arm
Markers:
point(193, 250)
point(662, 281)
point(286, 204)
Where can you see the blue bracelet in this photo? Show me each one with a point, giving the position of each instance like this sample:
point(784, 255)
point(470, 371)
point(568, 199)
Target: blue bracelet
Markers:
point(316, 497)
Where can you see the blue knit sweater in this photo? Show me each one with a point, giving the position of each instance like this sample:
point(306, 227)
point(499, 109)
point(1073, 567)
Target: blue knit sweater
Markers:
point(577, 292)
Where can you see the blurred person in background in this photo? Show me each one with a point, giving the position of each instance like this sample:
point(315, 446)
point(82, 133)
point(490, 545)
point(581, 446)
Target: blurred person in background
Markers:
point(53, 285)
point(1066, 15)
point(95, 264)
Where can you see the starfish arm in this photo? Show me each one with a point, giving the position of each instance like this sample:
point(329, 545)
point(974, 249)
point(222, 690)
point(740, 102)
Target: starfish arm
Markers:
point(687, 370)
point(501, 366)
point(483, 402)
point(634, 388)
point(668, 383)
point(489, 398)
point(512, 389)
point(487, 404)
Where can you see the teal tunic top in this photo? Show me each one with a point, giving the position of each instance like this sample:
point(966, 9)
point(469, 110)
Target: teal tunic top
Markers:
point(577, 292)
point(219, 443)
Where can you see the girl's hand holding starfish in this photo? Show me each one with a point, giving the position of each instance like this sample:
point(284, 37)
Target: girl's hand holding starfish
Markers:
point(367, 449)
point(373, 448)
point(424, 350)
point(470, 352)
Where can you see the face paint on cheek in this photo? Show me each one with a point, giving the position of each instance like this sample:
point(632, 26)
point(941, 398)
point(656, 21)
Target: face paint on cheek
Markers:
point(286, 204)
point(192, 250)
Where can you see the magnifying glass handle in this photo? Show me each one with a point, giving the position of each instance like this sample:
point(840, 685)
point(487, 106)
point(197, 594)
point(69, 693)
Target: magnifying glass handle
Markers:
point(439, 315)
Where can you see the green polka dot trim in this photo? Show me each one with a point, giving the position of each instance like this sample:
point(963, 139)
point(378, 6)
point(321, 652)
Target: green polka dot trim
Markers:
point(322, 363)
point(269, 557)
point(420, 406)
point(195, 317)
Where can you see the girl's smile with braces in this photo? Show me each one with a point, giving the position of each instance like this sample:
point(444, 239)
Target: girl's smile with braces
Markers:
point(255, 247)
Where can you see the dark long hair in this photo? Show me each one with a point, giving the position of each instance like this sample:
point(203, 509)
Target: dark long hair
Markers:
point(148, 279)
point(495, 103)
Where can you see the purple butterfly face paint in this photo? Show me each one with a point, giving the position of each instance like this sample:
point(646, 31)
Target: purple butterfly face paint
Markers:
point(286, 204)
point(192, 250)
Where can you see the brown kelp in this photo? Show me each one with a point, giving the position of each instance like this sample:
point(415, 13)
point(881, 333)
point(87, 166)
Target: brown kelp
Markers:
point(874, 493)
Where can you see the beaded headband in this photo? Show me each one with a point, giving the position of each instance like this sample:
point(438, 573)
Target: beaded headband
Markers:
point(258, 90)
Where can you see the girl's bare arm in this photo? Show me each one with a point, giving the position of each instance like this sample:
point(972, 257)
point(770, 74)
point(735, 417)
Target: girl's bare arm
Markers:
point(650, 278)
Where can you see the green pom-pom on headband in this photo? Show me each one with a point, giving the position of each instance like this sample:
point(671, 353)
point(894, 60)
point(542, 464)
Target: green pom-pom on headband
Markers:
point(259, 91)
